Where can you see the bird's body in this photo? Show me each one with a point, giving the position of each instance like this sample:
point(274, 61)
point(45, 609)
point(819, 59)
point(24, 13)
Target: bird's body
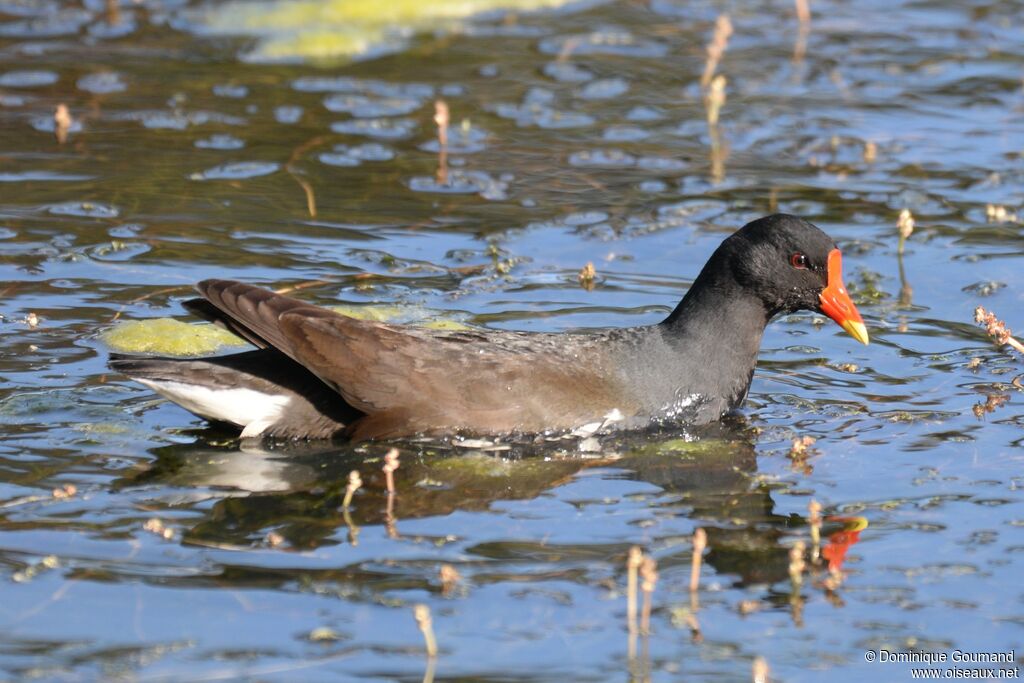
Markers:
point(321, 374)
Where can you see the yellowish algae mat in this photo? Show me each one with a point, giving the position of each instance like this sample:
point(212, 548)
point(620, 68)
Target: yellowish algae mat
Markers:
point(314, 29)
point(170, 337)
point(411, 315)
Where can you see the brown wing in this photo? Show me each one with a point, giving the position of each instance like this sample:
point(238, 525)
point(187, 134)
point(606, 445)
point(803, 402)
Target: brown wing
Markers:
point(412, 380)
point(252, 312)
point(201, 308)
point(437, 381)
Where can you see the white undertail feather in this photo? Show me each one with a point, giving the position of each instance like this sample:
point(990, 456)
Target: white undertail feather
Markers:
point(251, 410)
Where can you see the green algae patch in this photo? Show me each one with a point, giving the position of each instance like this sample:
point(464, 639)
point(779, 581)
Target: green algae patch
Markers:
point(444, 324)
point(101, 428)
point(169, 337)
point(294, 30)
point(421, 317)
point(479, 466)
point(380, 314)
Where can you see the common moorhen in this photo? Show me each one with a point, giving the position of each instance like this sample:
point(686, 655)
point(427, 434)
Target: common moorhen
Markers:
point(321, 374)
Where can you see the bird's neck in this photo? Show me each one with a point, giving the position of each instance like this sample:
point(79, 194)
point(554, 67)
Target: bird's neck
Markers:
point(718, 325)
point(717, 298)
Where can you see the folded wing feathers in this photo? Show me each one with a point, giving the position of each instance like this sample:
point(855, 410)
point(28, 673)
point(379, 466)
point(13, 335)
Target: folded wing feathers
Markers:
point(256, 309)
point(436, 377)
point(430, 377)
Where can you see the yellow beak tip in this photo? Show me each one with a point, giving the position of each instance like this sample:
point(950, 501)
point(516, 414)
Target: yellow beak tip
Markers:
point(857, 330)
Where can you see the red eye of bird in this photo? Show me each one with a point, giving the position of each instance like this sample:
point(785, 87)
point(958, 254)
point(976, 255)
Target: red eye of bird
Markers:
point(798, 260)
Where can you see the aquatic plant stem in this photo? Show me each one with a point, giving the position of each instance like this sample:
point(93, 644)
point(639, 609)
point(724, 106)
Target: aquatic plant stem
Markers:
point(759, 670)
point(700, 542)
point(62, 123)
point(997, 329)
point(425, 622)
point(797, 564)
point(633, 561)
point(649, 576)
point(442, 118)
point(814, 519)
point(905, 226)
point(390, 465)
point(144, 297)
point(354, 484)
point(716, 48)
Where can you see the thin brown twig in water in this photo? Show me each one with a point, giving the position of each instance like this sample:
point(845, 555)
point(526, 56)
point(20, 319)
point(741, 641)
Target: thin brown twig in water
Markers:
point(295, 174)
point(307, 189)
point(215, 545)
point(144, 297)
point(997, 329)
point(649, 576)
point(305, 147)
point(355, 482)
point(300, 286)
point(633, 561)
point(423, 620)
point(716, 48)
point(700, 542)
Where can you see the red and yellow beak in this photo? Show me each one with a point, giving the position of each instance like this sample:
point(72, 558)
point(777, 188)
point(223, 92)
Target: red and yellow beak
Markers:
point(836, 302)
